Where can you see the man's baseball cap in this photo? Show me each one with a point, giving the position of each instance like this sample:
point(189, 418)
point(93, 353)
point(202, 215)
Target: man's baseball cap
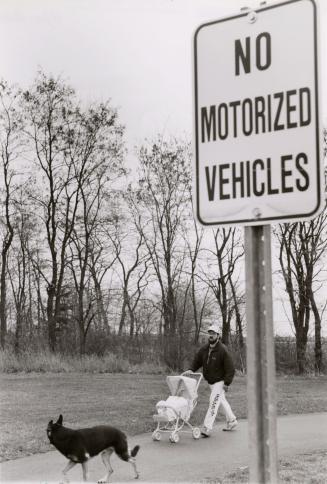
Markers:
point(214, 327)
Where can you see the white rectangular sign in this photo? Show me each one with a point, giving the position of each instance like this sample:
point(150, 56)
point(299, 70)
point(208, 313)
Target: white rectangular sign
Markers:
point(257, 130)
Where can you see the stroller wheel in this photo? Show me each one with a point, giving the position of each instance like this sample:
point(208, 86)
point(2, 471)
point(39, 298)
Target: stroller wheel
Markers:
point(156, 435)
point(196, 432)
point(174, 438)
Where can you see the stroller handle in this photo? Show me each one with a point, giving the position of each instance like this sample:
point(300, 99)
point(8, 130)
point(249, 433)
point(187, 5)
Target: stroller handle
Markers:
point(198, 375)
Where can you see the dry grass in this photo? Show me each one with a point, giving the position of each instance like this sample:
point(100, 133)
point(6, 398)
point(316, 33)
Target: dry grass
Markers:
point(301, 469)
point(44, 362)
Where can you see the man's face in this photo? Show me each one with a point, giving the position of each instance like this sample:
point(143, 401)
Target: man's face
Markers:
point(212, 336)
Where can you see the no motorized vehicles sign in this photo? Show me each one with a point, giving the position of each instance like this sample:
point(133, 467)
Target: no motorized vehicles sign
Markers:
point(257, 130)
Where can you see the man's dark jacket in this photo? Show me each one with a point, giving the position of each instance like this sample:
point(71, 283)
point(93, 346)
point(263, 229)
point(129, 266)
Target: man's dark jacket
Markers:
point(217, 366)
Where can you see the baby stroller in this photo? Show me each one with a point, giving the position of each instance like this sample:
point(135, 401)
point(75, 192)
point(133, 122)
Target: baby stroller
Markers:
point(173, 413)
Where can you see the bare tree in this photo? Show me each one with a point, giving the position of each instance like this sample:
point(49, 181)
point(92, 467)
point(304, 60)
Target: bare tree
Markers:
point(37, 279)
point(11, 148)
point(128, 247)
point(49, 107)
point(302, 250)
point(193, 236)
point(100, 263)
point(220, 274)
point(162, 201)
point(238, 304)
point(20, 274)
point(100, 149)
point(81, 245)
point(313, 237)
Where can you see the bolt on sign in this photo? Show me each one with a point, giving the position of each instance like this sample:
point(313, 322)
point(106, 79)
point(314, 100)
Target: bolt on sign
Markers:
point(257, 129)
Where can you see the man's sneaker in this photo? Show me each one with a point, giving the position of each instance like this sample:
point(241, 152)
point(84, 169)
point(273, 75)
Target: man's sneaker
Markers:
point(230, 425)
point(205, 432)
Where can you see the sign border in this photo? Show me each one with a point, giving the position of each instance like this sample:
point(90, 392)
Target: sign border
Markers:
point(261, 220)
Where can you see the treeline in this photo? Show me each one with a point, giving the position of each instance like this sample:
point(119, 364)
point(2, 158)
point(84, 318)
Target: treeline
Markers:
point(112, 353)
point(91, 255)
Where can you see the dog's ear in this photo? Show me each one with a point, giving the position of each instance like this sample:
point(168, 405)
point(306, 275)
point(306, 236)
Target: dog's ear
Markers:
point(51, 422)
point(59, 421)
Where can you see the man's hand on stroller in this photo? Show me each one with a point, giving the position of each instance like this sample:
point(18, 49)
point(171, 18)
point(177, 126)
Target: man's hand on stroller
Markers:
point(188, 372)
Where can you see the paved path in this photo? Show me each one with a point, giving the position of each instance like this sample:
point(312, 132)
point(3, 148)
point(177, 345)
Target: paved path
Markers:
point(188, 461)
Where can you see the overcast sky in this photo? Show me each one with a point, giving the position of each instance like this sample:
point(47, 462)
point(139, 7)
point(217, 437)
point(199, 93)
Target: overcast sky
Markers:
point(136, 52)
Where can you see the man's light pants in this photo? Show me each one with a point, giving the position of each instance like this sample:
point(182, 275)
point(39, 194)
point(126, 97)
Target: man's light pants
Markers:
point(217, 398)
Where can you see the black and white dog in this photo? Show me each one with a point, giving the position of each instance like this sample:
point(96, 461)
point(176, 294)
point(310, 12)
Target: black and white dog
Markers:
point(81, 445)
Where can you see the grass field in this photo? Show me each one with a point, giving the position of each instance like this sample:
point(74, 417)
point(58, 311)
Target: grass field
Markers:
point(29, 401)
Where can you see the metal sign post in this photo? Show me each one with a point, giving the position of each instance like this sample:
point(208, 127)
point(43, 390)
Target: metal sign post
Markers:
point(260, 356)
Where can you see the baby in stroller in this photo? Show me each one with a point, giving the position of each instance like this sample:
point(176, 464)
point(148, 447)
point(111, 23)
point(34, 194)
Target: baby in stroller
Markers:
point(173, 413)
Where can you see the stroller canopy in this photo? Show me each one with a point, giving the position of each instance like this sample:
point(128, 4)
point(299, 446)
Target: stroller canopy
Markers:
point(182, 386)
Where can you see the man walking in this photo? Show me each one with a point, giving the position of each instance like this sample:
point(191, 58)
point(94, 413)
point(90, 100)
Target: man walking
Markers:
point(218, 370)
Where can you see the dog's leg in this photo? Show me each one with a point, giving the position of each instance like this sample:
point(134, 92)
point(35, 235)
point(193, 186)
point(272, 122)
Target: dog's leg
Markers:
point(69, 466)
point(132, 461)
point(106, 454)
point(128, 456)
point(85, 471)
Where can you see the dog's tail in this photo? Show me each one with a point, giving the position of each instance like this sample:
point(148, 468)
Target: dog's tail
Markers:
point(135, 450)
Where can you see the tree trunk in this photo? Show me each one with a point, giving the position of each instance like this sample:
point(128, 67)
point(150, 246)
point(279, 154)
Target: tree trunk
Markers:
point(123, 314)
point(238, 317)
point(3, 316)
point(239, 329)
point(195, 312)
point(181, 344)
point(224, 310)
point(132, 321)
point(30, 303)
point(166, 334)
point(18, 332)
point(301, 343)
point(82, 338)
point(3, 284)
point(51, 318)
point(170, 326)
point(165, 338)
point(81, 322)
point(100, 306)
point(225, 331)
point(318, 346)
point(301, 319)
